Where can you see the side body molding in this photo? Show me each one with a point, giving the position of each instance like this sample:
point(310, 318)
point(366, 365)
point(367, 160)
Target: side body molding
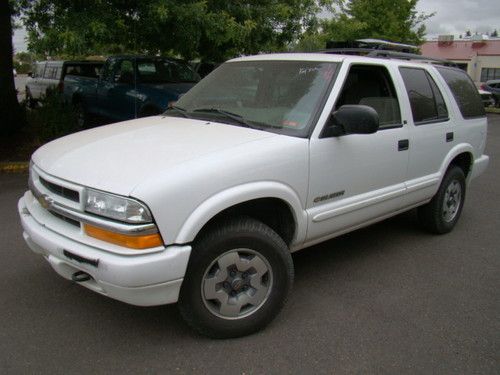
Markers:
point(240, 194)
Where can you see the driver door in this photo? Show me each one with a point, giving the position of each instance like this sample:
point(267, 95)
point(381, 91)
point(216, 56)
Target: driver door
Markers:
point(117, 92)
point(358, 178)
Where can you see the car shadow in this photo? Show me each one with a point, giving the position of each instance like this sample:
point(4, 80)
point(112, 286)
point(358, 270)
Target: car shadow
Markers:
point(77, 306)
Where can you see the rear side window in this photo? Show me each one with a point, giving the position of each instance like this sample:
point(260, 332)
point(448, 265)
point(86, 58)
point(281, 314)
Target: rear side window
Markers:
point(426, 101)
point(464, 91)
point(48, 72)
point(108, 69)
point(83, 70)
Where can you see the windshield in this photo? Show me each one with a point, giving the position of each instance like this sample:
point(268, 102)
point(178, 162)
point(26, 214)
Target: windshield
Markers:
point(165, 71)
point(278, 96)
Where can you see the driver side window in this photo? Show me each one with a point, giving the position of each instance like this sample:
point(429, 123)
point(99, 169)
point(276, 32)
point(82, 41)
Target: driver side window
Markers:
point(125, 73)
point(372, 85)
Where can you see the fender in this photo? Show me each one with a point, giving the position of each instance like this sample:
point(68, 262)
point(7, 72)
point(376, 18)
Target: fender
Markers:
point(241, 194)
point(452, 154)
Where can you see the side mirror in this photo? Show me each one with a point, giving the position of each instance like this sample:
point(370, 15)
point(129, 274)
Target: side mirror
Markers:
point(30, 74)
point(352, 119)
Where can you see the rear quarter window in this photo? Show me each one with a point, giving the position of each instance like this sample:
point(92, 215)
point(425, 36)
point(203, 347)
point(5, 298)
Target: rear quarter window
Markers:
point(464, 91)
point(426, 100)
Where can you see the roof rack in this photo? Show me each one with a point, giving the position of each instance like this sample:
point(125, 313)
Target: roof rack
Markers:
point(387, 54)
point(381, 49)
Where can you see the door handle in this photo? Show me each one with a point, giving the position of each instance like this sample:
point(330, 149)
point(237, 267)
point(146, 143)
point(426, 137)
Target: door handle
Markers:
point(449, 137)
point(403, 144)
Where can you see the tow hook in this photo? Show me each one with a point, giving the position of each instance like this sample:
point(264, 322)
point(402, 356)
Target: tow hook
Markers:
point(80, 277)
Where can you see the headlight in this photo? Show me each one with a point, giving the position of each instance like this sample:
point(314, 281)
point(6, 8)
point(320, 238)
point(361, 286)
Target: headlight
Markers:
point(116, 207)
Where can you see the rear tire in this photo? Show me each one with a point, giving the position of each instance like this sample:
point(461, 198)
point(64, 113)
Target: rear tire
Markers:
point(442, 213)
point(238, 279)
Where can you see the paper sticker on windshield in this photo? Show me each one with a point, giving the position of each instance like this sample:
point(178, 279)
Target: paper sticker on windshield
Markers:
point(328, 73)
point(290, 123)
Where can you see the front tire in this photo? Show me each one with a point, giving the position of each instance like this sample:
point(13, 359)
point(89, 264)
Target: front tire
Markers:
point(30, 102)
point(238, 278)
point(81, 115)
point(442, 213)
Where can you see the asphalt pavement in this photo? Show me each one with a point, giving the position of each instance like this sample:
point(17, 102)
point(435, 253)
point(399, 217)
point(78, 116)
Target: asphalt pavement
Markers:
point(387, 299)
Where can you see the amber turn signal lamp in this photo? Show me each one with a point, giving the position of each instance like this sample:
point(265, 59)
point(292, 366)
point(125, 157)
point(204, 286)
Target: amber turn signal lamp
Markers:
point(133, 242)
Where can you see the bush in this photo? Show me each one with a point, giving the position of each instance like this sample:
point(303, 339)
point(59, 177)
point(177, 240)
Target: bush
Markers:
point(51, 119)
point(22, 68)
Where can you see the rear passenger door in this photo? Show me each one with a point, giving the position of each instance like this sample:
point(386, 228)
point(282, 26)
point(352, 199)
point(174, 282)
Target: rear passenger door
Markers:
point(431, 131)
point(35, 83)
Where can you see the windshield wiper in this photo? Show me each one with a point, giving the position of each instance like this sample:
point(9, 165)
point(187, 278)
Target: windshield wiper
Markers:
point(233, 116)
point(180, 110)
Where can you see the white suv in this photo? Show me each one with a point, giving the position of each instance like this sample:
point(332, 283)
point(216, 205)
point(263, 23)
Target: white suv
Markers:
point(266, 156)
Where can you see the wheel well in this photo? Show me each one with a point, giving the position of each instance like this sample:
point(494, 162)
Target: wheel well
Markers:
point(273, 212)
point(463, 161)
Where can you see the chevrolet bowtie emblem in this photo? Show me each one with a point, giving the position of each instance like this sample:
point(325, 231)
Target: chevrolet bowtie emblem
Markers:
point(45, 201)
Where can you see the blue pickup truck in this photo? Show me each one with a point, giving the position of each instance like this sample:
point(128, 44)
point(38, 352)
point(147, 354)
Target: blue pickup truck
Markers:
point(128, 87)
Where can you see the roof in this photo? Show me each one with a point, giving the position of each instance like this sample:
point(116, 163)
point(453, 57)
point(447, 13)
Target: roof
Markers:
point(329, 57)
point(461, 49)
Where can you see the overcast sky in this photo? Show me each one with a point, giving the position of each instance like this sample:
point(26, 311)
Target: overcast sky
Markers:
point(452, 17)
point(458, 16)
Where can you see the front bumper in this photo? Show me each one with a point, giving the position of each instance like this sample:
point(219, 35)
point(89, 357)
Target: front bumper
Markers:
point(139, 279)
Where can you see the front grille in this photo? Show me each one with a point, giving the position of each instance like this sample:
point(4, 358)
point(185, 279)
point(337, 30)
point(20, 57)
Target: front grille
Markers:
point(72, 195)
point(66, 219)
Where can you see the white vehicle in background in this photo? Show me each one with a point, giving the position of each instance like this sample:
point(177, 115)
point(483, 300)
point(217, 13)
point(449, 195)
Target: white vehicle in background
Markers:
point(487, 98)
point(48, 76)
point(267, 155)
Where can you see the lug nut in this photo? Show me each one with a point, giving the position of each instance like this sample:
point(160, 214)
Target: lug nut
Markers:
point(226, 285)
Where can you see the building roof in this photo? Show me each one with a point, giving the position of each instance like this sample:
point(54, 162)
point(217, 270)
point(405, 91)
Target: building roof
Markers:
point(461, 49)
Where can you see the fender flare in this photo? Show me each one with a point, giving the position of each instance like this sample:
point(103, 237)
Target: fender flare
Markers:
point(461, 148)
point(241, 194)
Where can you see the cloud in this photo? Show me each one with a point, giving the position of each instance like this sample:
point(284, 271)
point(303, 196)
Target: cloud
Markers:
point(458, 16)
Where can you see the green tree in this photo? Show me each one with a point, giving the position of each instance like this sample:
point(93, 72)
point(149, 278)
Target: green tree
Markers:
point(10, 111)
point(394, 20)
point(208, 29)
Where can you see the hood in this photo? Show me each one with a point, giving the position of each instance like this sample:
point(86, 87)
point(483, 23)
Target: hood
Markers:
point(117, 157)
